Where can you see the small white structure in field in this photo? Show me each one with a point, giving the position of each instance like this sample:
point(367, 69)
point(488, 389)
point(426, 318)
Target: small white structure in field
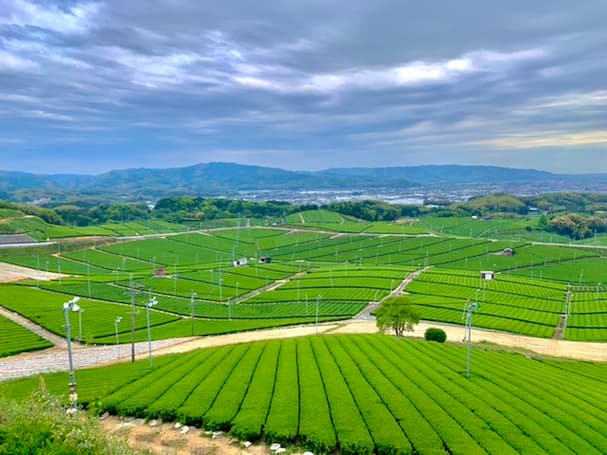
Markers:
point(487, 275)
point(239, 262)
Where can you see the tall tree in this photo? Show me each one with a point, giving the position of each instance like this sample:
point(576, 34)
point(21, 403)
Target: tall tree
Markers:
point(398, 314)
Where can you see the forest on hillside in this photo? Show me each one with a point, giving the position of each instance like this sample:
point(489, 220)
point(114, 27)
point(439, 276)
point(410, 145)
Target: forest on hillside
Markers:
point(575, 215)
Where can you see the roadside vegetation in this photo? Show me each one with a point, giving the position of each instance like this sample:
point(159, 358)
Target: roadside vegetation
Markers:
point(38, 424)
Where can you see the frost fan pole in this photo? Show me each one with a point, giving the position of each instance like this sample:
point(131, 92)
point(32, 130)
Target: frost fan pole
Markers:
point(469, 310)
point(132, 319)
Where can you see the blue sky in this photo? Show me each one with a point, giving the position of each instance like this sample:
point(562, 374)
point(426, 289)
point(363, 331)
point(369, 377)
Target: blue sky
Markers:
point(87, 87)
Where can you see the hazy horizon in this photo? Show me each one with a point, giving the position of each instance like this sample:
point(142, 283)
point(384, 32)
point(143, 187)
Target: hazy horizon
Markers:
point(290, 169)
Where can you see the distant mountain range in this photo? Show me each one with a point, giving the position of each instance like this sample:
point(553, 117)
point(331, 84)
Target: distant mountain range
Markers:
point(212, 179)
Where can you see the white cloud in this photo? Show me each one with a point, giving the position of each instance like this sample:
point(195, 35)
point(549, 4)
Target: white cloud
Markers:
point(407, 74)
point(545, 139)
point(155, 71)
point(47, 115)
point(11, 62)
point(572, 100)
point(74, 19)
point(253, 82)
point(16, 98)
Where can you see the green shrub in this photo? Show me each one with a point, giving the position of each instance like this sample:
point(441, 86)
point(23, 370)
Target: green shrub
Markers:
point(434, 334)
point(41, 425)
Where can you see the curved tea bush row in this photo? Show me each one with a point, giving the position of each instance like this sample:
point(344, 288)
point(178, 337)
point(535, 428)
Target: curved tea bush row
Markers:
point(46, 309)
point(362, 394)
point(15, 339)
point(507, 303)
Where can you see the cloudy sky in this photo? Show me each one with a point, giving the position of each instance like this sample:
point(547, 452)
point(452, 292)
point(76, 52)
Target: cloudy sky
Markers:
point(304, 84)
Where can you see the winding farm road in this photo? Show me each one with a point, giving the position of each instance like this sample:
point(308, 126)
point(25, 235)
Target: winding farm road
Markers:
point(55, 359)
point(365, 315)
point(11, 272)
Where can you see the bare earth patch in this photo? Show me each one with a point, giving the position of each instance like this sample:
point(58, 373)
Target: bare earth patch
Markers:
point(245, 337)
point(164, 438)
point(11, 272)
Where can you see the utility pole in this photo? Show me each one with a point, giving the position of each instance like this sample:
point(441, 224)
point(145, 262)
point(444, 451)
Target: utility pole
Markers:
point(317, 303)
point(133, 313)
point(72, 305)
point(192, 297)
point(116, 322)
point(220, 290)
point(152, 302)
point(80, 311)
point(469, 310)
point(88, 275)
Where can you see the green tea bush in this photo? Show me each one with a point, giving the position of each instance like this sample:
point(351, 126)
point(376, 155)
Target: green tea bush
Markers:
point(434, 334)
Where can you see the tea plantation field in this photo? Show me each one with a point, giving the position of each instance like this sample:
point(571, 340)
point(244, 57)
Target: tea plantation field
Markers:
point(16, 339)
point(332, 275)
point(361, 394)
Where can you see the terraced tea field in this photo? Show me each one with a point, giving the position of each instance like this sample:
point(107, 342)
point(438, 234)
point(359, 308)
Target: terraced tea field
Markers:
point(16, 339)
point(192, 274)
point(361, 394)
point(356, 394)
point(507, 303)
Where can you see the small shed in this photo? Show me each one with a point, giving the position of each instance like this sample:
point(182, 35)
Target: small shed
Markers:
point(265, 259)
point(487, 275)
point(239, 262)
point(508, 252)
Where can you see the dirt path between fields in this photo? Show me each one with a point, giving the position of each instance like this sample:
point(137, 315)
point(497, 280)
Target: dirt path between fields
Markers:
point(543, 346)
point(11, 272)
point(56, 358)
point(255, 335)
point(401, 287)
point(365, 315)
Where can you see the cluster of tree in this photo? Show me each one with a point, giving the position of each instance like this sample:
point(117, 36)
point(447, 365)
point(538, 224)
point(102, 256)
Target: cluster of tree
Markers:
point(588, 203)
point(574, 225)
point(492, 203)
point(48, 215)
point(82, 214)
point(93, 211)
point(375, 210)
point(189, 207)
point(103, 213)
